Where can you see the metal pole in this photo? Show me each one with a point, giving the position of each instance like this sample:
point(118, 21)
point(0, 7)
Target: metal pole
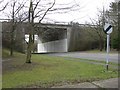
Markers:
point(108, 47)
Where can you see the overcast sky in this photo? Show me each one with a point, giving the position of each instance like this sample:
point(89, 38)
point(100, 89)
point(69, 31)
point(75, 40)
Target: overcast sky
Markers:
point(88, 9)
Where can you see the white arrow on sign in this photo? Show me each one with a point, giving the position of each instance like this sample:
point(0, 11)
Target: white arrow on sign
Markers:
point(108, 28)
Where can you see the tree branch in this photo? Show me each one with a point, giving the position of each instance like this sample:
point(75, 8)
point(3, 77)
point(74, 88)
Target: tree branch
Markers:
point(47, 11)
point(3, 7)
point(36, 5)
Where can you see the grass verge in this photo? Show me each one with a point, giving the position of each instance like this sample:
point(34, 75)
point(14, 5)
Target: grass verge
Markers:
point(46, 71)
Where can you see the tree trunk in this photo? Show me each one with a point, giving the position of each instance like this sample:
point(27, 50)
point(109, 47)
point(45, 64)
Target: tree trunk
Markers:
point(12, 40)
point(29, 49)
point(30, 42)
point(12, 44)
point(12, 33)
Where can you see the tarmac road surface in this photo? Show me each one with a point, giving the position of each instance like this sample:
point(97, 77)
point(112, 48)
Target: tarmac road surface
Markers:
point(91, 56)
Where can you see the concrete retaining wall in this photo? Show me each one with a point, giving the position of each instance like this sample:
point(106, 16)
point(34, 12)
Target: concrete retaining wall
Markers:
point(53, 46)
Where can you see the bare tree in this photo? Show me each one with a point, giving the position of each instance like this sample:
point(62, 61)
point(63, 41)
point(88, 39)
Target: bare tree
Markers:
point(97, 25)
point(38, 11)
point(31, 26)
point(14, 9)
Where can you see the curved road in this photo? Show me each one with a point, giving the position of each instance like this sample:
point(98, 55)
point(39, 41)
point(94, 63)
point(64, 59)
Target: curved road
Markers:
point(93, 56)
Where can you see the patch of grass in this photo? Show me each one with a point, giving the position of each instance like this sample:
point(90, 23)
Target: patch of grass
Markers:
point(47, 71)
point(88, 60)
point(98, 61)
point(6, 53)
point(104, 62)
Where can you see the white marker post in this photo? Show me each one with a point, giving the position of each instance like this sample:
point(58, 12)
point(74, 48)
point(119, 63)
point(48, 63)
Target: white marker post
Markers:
point(108, 48)
point(108, 30)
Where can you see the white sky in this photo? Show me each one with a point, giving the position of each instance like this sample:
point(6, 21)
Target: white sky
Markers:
point(89, 9)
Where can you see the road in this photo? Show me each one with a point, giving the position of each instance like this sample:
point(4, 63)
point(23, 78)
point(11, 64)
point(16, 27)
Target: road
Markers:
point(91, 56)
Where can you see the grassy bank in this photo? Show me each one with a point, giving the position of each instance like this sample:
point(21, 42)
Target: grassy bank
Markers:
point(46, 71)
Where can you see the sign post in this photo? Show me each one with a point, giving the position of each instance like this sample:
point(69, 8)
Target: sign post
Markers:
point(108, 47)
point(107, 30)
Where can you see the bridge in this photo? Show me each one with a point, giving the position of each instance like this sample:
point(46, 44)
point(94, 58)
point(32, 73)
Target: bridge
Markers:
point(51, 38)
